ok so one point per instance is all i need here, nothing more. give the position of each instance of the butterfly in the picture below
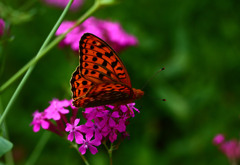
(101, 78)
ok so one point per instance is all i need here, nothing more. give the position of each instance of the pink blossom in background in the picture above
(2, 27)
(63, 3)
(230, 148)
(218, 139)
(111, 32)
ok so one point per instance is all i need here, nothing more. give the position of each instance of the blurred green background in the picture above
(196, 41)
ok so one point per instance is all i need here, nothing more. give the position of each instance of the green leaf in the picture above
(1, 163)
(5, 146)
(14, 16)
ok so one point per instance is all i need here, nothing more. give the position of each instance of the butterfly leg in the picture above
(131, 111)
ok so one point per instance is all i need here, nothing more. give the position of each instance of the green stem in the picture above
(109, 151)
(8, 156)
(83, 157)
(18, 74)
(39, 54)
(49, 47)
(37, 58)
(38, 149)
(110, 154)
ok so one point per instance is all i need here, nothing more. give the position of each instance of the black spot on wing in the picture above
(99, 54)
(114, 64)
(86, 71)
(108, 73)
(104, 63)
(108, 54)
(95, 66)
(119, 68)
(84, 83)
(94, 58)
(101, 76)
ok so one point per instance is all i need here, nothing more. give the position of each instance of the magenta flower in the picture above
(121, 127)
(39, 120)
(89, 144)
(2, 27)
(93, 112)
(218, 139)
(103, 123)
(74, 131)
(111, 132)
(111, 118)
(93, 128)
(230, 148)
(111, 32)
(57, 108)
(130, 107)
(63, 3)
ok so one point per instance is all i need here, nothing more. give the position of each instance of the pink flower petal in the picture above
(98, 135)
(95, 142)
(45, 124)
(115, 114)
(93, 149)
(76, 122)
(64, 111)
(112, 123)
(68, 127)
(121, 126)
(89, 137)
(89, 123)
(111, 32)
(82, 149)
(36, 127)
(56, 116)
(63, 3)
(82, 128)
(71, 136)
(113, 136)
(218, 139)
(79, 138)
(2, 27)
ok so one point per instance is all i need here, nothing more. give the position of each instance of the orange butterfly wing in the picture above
(101, 77)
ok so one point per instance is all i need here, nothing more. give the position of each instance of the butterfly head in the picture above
(138, 93)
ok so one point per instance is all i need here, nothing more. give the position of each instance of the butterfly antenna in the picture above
(152, 77)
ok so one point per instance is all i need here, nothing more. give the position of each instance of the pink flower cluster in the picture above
(102, 123)
(111, 32)
(63, 3)
(230, 148)
(2, 27)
